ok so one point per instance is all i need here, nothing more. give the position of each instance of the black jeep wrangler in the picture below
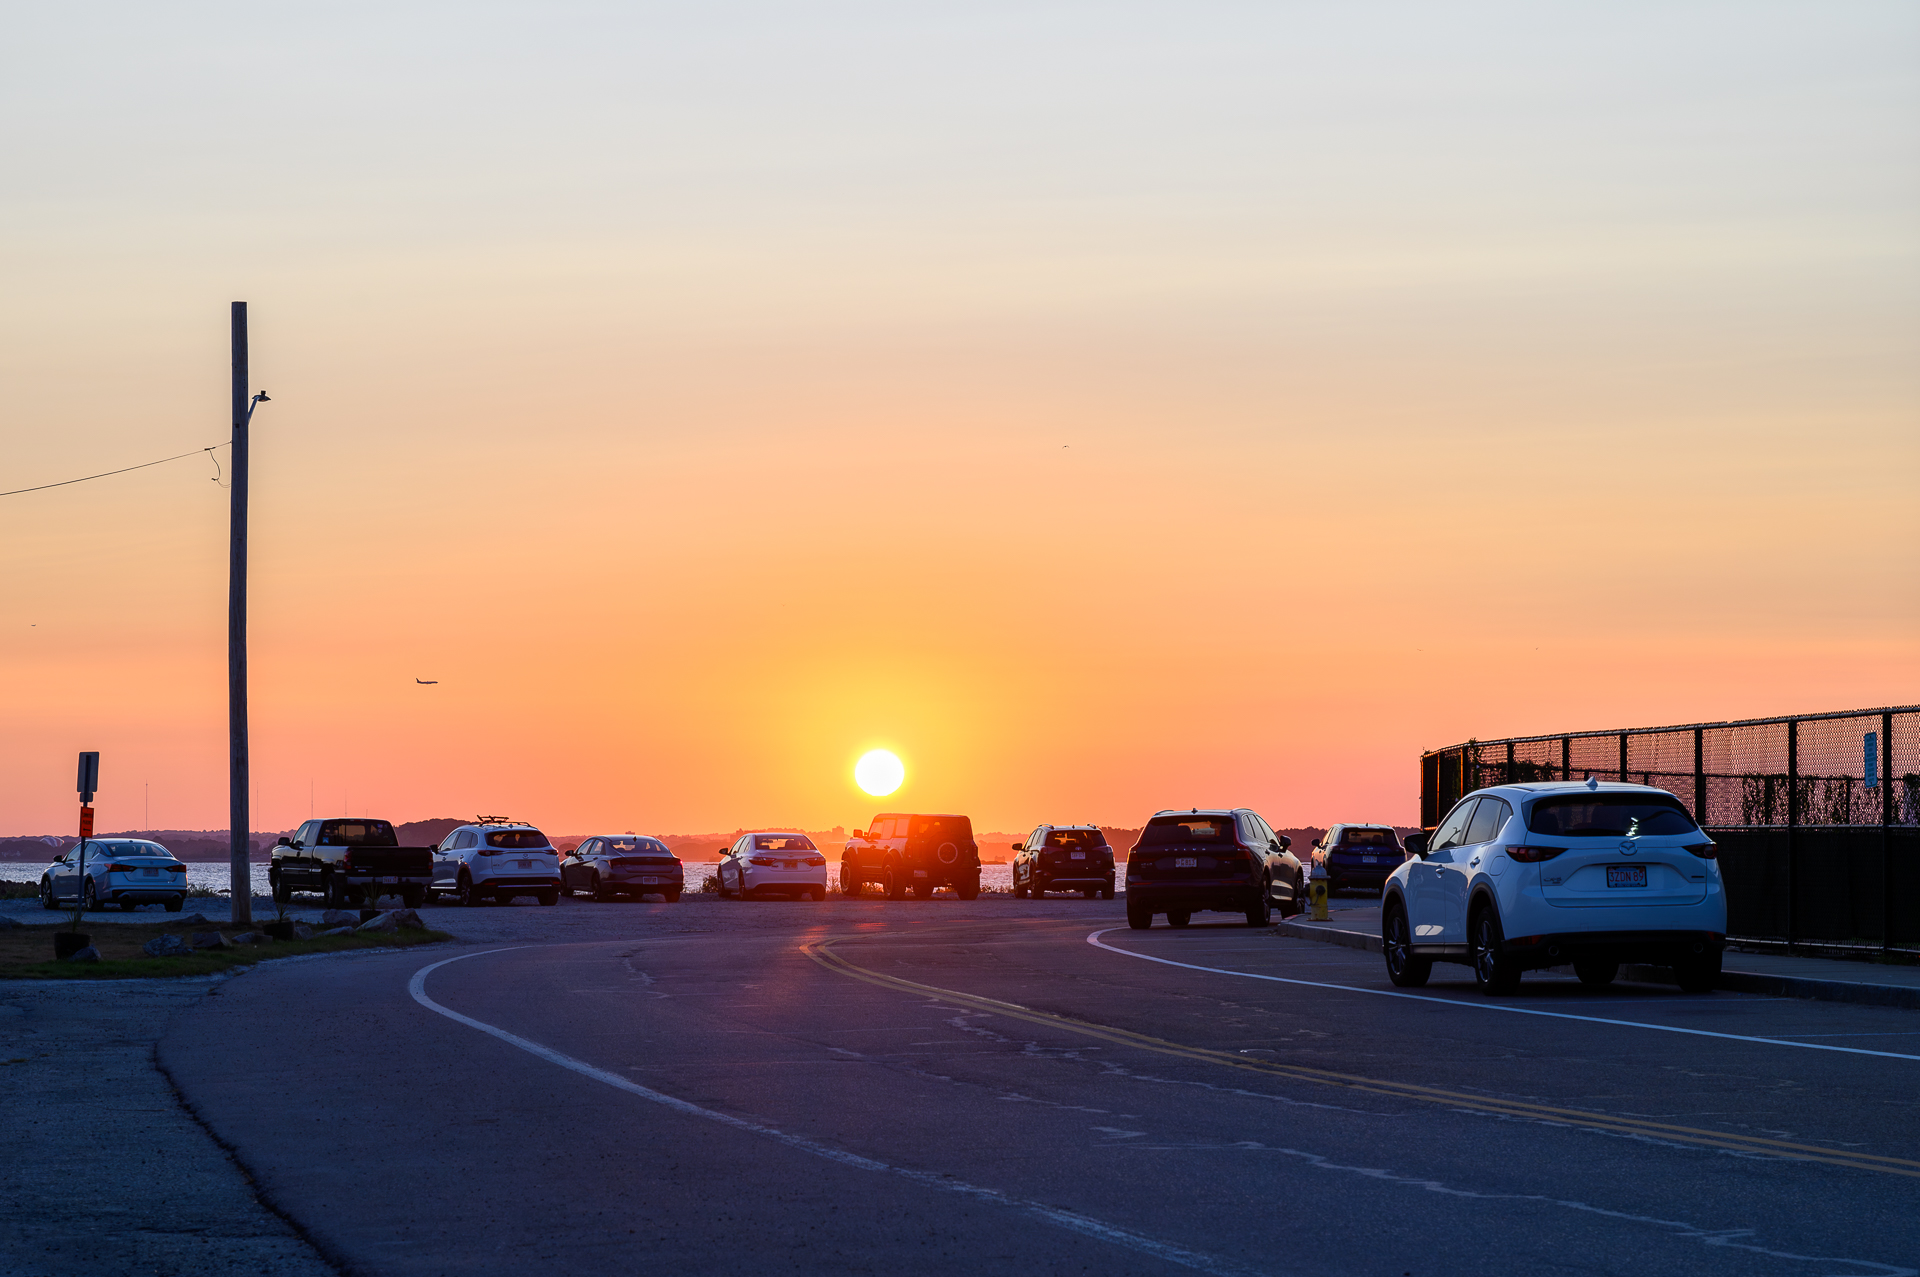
(905, 853)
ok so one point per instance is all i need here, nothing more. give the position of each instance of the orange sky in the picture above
(1104, 412)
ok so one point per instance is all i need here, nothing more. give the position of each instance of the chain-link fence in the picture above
(1817, 816)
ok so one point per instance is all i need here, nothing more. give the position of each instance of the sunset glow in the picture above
(879, 772)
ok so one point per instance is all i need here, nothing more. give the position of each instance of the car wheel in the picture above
(1396, 942)
(1038, 887)
(173, 905)
(1260, 912)
(333, 893)
(282, 894)
(970, 889)
(1295, 905)
(1139, 917)
(551, 896)
(817, 895)
(1019, 890)
(89, 896)
(1699, 974)
(1598, 974)
(566, 888)
(923, 891)
(896, 887)
(46, 895)
(414, 897)
(1106, 892)
(1179, 917)
(673, 897)
(127, 906)
(1494, 971)
(468, 894)
(850, 884)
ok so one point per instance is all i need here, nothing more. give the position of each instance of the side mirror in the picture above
(284, 842)
(1018, 846)
(1286, 843)
(859, 833)
(1417, 844)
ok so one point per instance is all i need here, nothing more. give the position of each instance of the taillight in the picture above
(761, 860)
(1704, 850)
(1531, 855)
(816, 861)
(346, 861)
(123, 869)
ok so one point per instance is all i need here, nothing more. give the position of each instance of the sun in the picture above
(879, 772)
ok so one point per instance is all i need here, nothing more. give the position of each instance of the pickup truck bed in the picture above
(341, 860)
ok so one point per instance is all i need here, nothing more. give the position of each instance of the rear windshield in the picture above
(783, 842)
(1368, 838)
(946, 828)
(1609, 816)
(516, 838)
(1078, 839)
(642, 846)
(95, 847)
(357, 833)
(1165, 830)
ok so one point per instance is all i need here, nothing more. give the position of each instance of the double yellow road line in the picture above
(823, 953)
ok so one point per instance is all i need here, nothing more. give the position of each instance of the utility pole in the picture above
(239, 767)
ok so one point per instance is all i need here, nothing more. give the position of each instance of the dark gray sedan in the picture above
(630, 865)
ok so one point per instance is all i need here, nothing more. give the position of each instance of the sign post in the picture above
(89, 781)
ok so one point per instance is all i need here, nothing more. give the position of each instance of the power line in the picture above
(105, 473)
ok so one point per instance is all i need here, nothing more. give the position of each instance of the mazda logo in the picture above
(1626, 848)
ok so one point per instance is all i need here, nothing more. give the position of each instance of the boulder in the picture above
(164, 947)
(88, 954)
(210, 940)
(381, 922)
(339, 918)
(338, 931)
(191, 920)
(253, 937)
(409, 919)
(301, 931)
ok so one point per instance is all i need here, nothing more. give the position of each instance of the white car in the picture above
(128, 872)
(1519, 877)
(773, 861)
(482, 862)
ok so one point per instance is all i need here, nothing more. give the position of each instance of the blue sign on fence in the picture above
(1873, 760)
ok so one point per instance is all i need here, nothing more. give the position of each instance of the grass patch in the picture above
(26, 953)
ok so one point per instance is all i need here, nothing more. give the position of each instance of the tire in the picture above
(849, 886)
(970, 889)
(1019, 890)
(673, 897)
(1296, 906)
(1596, 973)
(1396, 941)
(467, 894)
(1089, 893)
(597, 891)
(89, 896)
(1700, 975)
(720, 880)
(896, 888)
(282, 894)
(1493, 971)
(551, 896)
(1179, 917)
(923, 891)
(566, 888)
(173, 905)
(1106, 892)
(333, 893)
(414, 897)
(1037, 888)
(817, 895)
(47, 900)
(127, 906)
(1260, 912)
(1139, 917)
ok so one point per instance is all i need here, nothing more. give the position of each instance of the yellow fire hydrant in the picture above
(1317, 893)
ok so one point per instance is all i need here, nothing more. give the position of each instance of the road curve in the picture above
(829, 1088)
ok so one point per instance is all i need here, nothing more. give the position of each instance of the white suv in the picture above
(483, 862)
(1519, 877)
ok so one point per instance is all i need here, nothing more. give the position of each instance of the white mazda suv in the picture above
(1519, 877)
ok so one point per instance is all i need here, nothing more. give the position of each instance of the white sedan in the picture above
(128, 872)
(773, 862)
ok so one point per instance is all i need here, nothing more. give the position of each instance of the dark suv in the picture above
(906, 853)
(1228, 861)
(1063, 858)
(1359, 856)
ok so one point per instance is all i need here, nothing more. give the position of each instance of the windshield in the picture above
(1078, 839)
(95, 847)
(1368, 838)
(1610, 816)
(645, 846)
(946, 828)
(783, 842)
(1166, 830)
(521, 839)
(357, 833)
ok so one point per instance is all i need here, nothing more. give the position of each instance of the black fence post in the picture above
(1623, 758)
(1566, 758)
(1700, 775)
(1508, 778)
(1793, 821)
(1887, 910)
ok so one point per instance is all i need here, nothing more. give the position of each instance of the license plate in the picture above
(1186, 862)
(1626, 875)
(919, 873)
(393, 879)
(648, 882)
(1076, 855)
(150, 873)
(1369, 860)
(526, 864)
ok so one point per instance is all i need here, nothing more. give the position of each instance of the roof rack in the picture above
(493, 820)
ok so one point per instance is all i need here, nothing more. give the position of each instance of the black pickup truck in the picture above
(341, 859)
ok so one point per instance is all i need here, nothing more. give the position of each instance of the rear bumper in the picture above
(517, 882)
(1370, 875)
(1074, 881)
(1158, 896)
(146, 895)
(1656, 948)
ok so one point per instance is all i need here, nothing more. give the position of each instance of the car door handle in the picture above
(1473, 862)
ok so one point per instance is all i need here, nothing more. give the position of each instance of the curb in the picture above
(1776, 986)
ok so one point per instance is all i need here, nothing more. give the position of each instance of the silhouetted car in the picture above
(630, 865)
(912, 853)
(1359, 855)
(1063, 858)
(128, 872)
(1227, 861)
(781, 862)
(350, 861)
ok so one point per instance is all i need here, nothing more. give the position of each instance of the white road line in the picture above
(1082, 1224)
(1097, 943)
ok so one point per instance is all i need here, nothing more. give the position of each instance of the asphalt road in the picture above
(864, 1086)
